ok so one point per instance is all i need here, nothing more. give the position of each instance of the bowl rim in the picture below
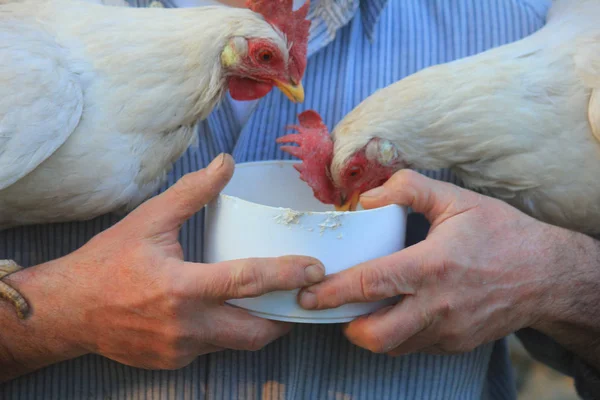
(290, 162)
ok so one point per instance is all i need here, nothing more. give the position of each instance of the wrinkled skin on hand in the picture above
(129, 295)
(484, 271)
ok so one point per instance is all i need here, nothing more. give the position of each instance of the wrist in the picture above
(48, 334)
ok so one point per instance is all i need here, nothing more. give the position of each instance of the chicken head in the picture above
(366, 169)
(256, 64)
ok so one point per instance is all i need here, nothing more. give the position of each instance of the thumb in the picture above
(435, 199)
(170, 209)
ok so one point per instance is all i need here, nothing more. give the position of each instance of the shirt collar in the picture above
(328, 16)
(370, 11)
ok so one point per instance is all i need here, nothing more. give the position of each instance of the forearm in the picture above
(43, 338)
(571, 312)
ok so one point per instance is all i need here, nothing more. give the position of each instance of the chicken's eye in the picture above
(355, 171)
(265, 55)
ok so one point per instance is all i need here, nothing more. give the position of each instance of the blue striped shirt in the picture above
(356, 47)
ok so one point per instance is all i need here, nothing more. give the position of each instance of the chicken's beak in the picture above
(349, 204)
(294, 92)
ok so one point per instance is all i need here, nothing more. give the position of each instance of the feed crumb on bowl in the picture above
(340, 236)
(331, 222)
(288, 217)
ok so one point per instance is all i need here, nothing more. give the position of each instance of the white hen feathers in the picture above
(519, 122)
(97, 102)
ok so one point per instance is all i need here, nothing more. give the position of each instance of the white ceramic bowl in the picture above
(267, 211)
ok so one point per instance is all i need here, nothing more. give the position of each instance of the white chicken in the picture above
(97, 101)
(520, 122)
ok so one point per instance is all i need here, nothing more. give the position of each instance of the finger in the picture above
(207, 349)
(236, 329)
(150, 359)
(251, 277)
(382, 278)
(424, 341)
(388, 328)
(424, 195)
(434, 350)
(186, 197)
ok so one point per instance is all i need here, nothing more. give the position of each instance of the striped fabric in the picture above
(355, 48)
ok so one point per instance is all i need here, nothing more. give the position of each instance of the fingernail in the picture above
(376, 192)
(308, 300)
(314, 273)
(216, 163)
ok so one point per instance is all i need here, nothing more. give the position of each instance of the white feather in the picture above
(97, 102)
(40, 99)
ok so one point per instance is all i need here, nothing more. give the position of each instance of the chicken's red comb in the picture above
(293, 24)
(315, 149)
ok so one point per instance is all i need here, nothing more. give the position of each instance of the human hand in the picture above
(128, 295)
(484, 271)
